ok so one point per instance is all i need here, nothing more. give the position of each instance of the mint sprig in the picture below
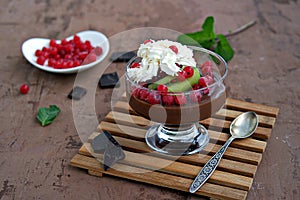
(47, 115)
(207, 38)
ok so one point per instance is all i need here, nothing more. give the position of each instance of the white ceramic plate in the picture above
(96, 38)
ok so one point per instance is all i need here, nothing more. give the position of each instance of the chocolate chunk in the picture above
(99, 143)
(122, 56)
(109, 80)
(112, 154)
(113, 151)
(77, 93)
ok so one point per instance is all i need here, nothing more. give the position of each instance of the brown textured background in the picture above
(34, 161)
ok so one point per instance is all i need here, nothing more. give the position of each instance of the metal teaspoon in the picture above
(242, 127)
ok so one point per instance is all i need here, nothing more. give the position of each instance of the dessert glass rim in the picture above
(201, 49)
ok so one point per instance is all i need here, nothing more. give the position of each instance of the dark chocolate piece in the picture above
(77, 93)
(109, 80)
(122, 56)
(99, 143)
(113, 151)
(112, 155)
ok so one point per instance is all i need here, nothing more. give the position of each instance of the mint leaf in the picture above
(190, 39)
(47, 115)
(208, 29)
(223, 48)
(207, 38)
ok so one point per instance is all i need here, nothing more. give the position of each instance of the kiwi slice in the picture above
(164, 80)
(186, 84)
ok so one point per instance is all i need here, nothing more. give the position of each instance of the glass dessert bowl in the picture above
(176, 88)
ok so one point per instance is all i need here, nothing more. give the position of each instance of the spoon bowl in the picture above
(96, 38)
(242, 127)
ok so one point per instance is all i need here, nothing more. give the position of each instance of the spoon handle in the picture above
(209, 167)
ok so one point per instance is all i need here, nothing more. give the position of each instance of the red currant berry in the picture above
(207, 68)
(174, 49)
(98, 51)
(68, 56)
(41, 60)
(52, 43)
(51, 62)
(38, 52)
(64, 65)
(144, 94)
(77, 63)
(83, 55)
(64, 42)
(189, 71)
(24, 89)
(44, 49)
(70, 64)
(136, 92)
(53, 51)
(181, 76)
(180, 99)
(162, 88)
(76, 38)
(147, 41)
(196, 87)
(195, 96)
(168, 100)
(135, 65)
(153, 99)
(202, 82)
(209, 79)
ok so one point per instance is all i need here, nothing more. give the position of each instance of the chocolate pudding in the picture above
(175, 115)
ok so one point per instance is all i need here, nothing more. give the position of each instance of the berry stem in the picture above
(241, 29)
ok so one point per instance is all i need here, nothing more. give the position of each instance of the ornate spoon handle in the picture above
(209, 167)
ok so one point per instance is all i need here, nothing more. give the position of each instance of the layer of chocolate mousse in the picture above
(176, 115)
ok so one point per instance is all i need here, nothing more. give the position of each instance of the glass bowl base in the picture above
(177, 140)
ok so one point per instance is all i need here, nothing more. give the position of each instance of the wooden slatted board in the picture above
(231, 180)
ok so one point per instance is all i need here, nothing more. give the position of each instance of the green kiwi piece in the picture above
(165, 80)
(186, 84)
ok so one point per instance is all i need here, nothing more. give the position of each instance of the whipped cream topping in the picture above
(158, 55)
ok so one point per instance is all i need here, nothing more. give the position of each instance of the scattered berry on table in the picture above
(24, 89)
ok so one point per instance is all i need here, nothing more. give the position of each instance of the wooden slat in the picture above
(260, 133)
(264, 121)
(158, 178)
(124, 118)
(248, 106)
